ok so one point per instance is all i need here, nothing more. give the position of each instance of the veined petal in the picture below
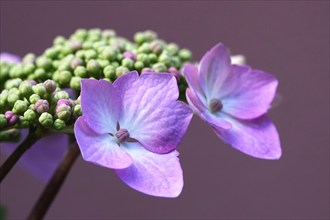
(192, 76)
(101, 105)
(258, 138)
(100, 149)
(43, 157)
(214, 69)
(151, 113)
(151, 173)
(248, 93)
(9, 58)
(204, 113)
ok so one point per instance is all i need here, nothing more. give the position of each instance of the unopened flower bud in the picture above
(11, 118)
(61, 95)
(146, 70)
(29, 58)
(46, 119)
(34, 98)
(41, 106)
(121, 70)
(75, 45)
(40, 73)
(3, 121)
(109, 72)
(10, 135)
(172, 48)
(75, 83)
(77, 110)
(80, 71)
(59, 124)
(12, 98)
(152, 58)
(23, 123)
(109, 53)
(44, 62)
(30, 115)
(63, 102)
(185, 54)
(64, 77)
(75, 62)
(20, 107)
(159, 67)
(63, 112)
(93, 68)
(143, 58)
(130, 55)
(39, 89)
(78, 101)
(50, 86)
(138, 65)
(127, 62)
(25, 89)
(156, 47)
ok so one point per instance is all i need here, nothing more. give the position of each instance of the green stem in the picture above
(48, 195)
(32, 137)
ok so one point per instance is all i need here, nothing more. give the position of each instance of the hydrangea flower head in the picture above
(234, 99)
(134, 126)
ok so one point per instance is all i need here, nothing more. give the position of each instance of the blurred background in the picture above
(289, 39)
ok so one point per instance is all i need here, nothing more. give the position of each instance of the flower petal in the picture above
(151, 114)
(43, 157)
(204, 113)
(214, 69)
(153, 174)
(100, 149)
(248, 93)
(192, 77)
(258, 138)
(9, 58)
(101, 105)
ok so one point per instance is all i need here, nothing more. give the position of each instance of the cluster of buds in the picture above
(26, 103)
(99, 54)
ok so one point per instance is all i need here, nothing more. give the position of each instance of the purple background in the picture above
(287, 38)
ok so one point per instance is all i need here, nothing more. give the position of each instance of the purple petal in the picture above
(203, 111)
(43, 157)
(248, 93)
(214, 69)
(257, 138)
(151, 114)
(192, 77)
(101, 105)
(100, 149)
(9, 58)
(153, 174)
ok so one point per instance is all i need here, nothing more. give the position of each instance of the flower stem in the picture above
(55, 183)
(32, 137)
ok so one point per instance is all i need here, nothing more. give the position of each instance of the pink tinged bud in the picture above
(11, 118)
(122, 135)
(64, 102)
(32, 82)
(175, 73)
(41, 106)
(146, 70)
(130, 55)
(215, 105)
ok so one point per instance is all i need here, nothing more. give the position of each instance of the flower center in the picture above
(215, 105)
(122, 135)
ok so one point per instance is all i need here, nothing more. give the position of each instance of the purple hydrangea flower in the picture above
(233, 99)
(134, 126)
(43, 157)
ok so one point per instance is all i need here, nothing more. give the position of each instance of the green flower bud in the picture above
(159, 67)
(143, 58)
(29, 58)
(9, 135)
(152, 58)
(80, 54)
(109, 72)
(39, 89)
(44, 62)
(78, 101)
(109, 53)
(80, 71)
(75, 83)
(13, 83)
(52, 53)
(119, 57)
(90, 54)
(138, 65)
(139, 38)
(75, 45)
(80, 34)
(30, 115)
(64, 65)
(121, 70)
(144, 48)
(65, 50)
(20, 107)
(115, 64)
(127, 63)
(50, 86)
(172, 48)
(34, 98)
(61, 95)
(25, 89)
(17, 71)
(108, 33)
(3, 121)
(40, 73)
(77, 110)
(59, 124)
(64, 77)
(185, 54)
(23, 123)
(28, 68)
(59, 40)
(103, 63)
(46, 119)
(156, 47)
(12, 98)
(93, 68)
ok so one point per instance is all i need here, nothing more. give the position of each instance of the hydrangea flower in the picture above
(134, 126)
(234, 99)
(43, 157)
